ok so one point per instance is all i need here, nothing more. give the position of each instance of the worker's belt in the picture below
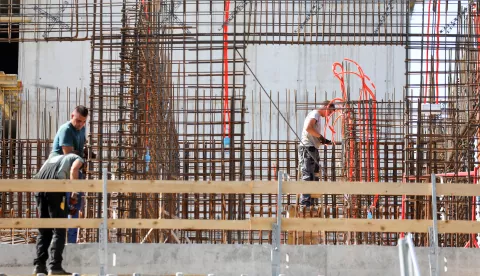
(311, 148)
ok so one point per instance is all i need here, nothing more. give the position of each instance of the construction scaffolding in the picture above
(179, 91)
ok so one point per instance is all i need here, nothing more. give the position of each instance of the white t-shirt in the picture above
(307, 139)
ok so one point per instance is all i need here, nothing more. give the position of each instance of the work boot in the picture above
(40, 269)
(58, 271)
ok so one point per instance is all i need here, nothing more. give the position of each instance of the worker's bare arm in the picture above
(75, 170)
(74, 174)
(311, 128)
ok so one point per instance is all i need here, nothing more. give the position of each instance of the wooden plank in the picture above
(237, 187)
(49, 223)
(139, 186)
(288, 224)
(14, 19)
(185, 224)
(34, 185)
(381, 188)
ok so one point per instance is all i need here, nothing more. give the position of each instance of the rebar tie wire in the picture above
(275, 105)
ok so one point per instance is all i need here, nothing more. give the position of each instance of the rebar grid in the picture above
(168, 81)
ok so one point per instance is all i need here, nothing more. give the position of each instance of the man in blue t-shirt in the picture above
(70, 137)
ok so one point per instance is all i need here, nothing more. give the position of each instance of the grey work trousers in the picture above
(49, 206)
(309, 158)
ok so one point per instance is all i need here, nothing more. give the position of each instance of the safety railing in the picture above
(245, 187)
(275, 224)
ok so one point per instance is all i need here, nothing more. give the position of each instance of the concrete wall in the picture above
(46, 66)
(53, 71)
(252, 260)
(308, 71)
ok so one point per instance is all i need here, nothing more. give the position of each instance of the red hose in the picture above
(438, 52)
(145, 10)
(226, 111)
(365, 93)
(427, 48)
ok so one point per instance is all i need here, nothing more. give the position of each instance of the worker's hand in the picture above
(72, 211)
(73, 198)
(73, 201)
(324, 141)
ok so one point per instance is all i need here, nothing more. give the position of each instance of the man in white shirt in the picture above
(310, 142)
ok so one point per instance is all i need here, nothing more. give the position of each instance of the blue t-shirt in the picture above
(68, 136)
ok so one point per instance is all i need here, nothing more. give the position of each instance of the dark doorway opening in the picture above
(9, 34)
(9, 50)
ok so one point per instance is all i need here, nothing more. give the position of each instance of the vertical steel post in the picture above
(103, 253)
(276, 227)
(403, 256)
(433, 231)
(412, 256)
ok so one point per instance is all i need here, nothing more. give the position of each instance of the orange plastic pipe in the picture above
(226, 112)
(145, 10)
(427, 48)
(437, 53)
(365, 93)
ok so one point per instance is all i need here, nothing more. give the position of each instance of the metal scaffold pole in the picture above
(433, 232)
(276, 240)
(103, 241)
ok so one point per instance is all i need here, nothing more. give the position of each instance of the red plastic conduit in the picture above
(226, 110)
(437, 52)
(426, 51)
(366, 93)
(145, 10)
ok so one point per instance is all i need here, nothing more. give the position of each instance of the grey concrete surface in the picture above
(158, 259)
(48, 66)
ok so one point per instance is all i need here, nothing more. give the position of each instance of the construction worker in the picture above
(310, 142)
(54, 205)
(70, 138)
